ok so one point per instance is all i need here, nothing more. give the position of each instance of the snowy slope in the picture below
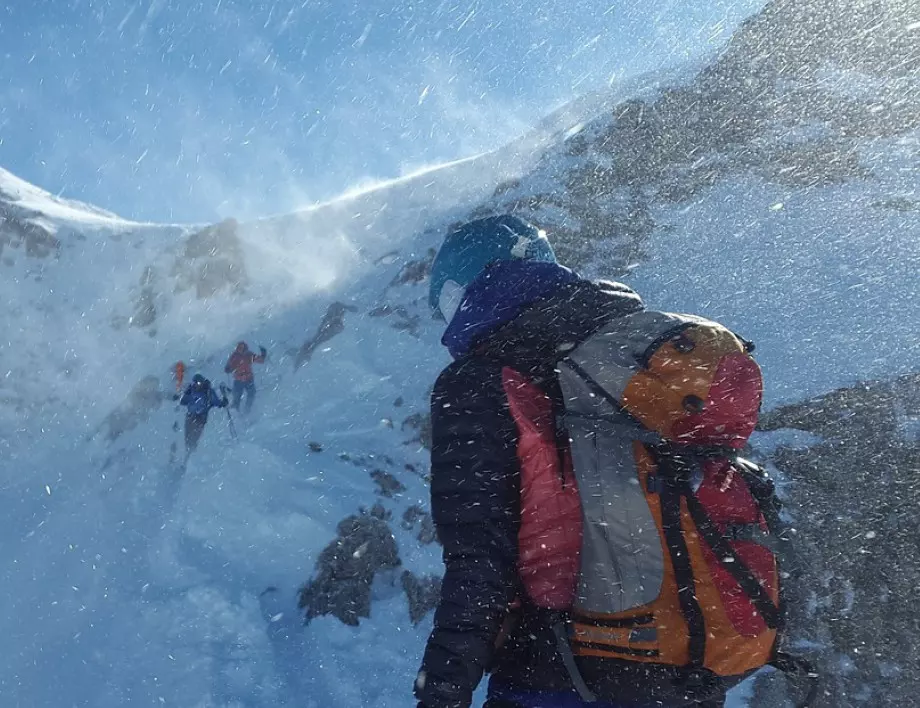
(148, 602)
(123, 585)
(113, 594)
(27, 198)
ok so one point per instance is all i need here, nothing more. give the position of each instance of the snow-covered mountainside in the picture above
(773, 189)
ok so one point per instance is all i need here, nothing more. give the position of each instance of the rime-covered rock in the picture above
(423, 594)
(346, 568)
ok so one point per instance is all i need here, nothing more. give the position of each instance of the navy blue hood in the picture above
(500, 294)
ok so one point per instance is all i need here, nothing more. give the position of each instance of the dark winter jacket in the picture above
(475, 487)
(199, 400)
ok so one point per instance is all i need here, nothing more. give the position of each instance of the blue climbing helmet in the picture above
(469, 249)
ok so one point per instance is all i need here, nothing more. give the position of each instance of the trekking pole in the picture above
(232, 427)
(223, 390)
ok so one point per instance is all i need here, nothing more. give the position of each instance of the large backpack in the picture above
(677, 571)
(199, 402)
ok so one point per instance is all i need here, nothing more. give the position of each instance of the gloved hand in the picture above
(263, 351)
(224, 389)
(175, 396)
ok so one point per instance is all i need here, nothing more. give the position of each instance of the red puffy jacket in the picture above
(241, 361)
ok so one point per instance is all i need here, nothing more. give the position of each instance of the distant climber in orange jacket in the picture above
(240, 365)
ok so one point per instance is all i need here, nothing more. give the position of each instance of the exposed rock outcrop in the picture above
(332, 324)
(421, 424)
(415, 271)
(422, 593)
(142, 401)
(400, 318)
(18, 232)
(788, 101)
(346, 568)
(387, 484)
(417, 518)
(856, 569)
(212, 262)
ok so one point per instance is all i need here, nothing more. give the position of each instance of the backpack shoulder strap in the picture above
(553, 389)
(669, 495)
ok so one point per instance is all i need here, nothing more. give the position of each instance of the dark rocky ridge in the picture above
(346, 568)
(17, 231)
(856, 566)
(775, 105)
(332, 324)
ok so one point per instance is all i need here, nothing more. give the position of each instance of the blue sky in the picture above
(188, 111)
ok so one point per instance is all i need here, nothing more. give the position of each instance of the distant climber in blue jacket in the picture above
(198, 398)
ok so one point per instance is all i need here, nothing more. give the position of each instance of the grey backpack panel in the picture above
(613, 355)
(622, 557)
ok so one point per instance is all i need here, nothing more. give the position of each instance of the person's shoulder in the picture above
(613, 288)
(469, 367)
(605, 297)
(468, 375)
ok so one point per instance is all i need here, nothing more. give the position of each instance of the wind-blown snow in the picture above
(124, 585)
(824, 281)
(116, 595)
(112, 596)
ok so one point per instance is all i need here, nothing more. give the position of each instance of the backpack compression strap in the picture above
(677, 469)
(669, 497)
(762, 489)
(735, 567)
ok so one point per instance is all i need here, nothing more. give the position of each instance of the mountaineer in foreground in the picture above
(604, 544)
